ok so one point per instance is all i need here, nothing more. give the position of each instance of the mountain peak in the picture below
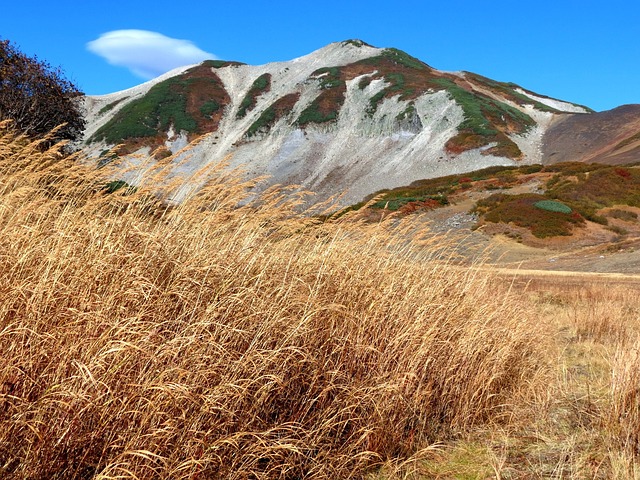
(356, 42)
(348, 117)
(341, 53)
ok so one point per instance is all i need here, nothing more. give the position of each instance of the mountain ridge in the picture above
(348, 118)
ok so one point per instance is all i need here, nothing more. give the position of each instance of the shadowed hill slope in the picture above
(611, 137)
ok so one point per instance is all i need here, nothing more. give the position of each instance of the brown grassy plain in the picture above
(584, 422)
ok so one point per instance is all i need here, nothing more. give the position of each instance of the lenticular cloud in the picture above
(147, 54)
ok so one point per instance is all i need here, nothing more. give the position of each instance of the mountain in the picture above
(347, 119)
(611, 137)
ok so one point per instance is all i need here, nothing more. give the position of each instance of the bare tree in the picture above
(37, 97)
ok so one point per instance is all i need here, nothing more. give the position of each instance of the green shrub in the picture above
(480, 111)
(325, 107)
(275, 111)
(509, 91)
(484, 122)
(265, 120)
(106, 157)
(330, 77)
(355, 42)
(527, 169)
(364, 82)
(220, 63)
(185, 102)
(209, 107)
(374, 101)
(402, 58)
(552, 206)
(408, 112)
(163, 105)
(397, 85)
(312, 114)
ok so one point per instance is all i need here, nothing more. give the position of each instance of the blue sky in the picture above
(587, 52)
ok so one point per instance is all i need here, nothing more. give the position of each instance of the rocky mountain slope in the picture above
(348, 118)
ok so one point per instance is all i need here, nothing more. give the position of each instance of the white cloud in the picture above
(147, 54)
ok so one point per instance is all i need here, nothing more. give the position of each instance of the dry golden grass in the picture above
(231, 337)
(585, 423)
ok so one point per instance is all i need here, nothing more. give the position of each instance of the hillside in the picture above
(611, 137)
(571, 216)
(347, 119)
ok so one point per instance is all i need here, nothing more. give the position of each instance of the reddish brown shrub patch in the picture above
(623, 172)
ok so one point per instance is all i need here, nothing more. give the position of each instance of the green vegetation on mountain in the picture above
(325, 107)
(209, 107)
(364, 82)
(552, 206)
(484, 115)
(332, 82)
(509, 90)
(117, 185)
(264, 121)
(486, 121)
(163, 105)
(220, 63)
(407, 113)
(110, 106)
(329, 77)
(356, 43)
(401, 58)
(314, 114)
(396, 86)
(280, 108)
(261, 85)
(488, 124)
(187, 102)
(405, 76)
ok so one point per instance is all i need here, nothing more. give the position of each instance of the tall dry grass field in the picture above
(231, 337)
(585, 423)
